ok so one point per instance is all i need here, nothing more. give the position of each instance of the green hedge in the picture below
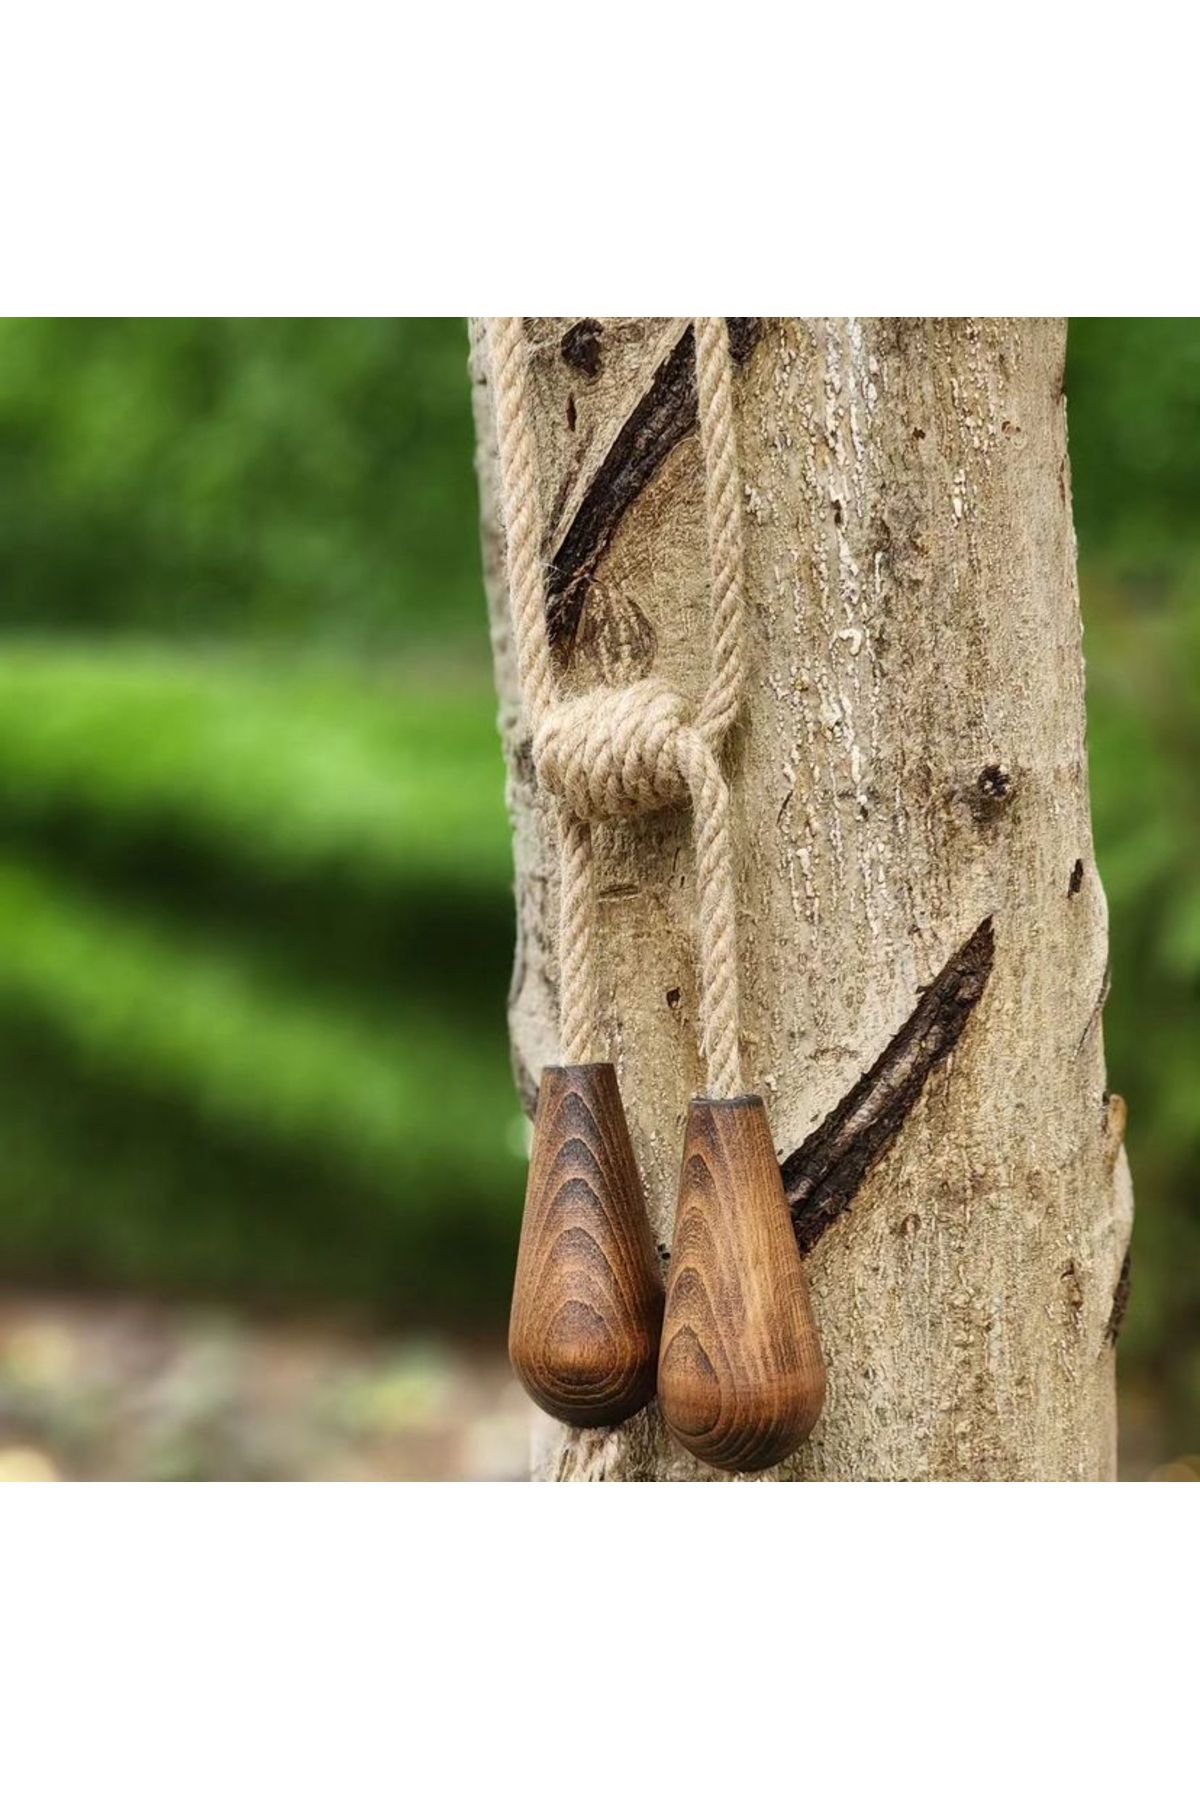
(236, 479)
(259, 918)
(279, 767)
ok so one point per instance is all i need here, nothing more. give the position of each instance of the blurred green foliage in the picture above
(1134, 413)
(255, 909)
(255, 921)
(217, 478)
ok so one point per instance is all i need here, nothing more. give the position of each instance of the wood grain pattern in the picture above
(741, 1379)
(588, 1297)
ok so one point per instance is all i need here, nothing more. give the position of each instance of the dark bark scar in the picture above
(822, 1177)
(662, 418)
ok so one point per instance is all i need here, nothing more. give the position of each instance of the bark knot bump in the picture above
(580, 347)
(822, 1177)
(992, 791)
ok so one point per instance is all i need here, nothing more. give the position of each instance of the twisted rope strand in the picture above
(717, 919)
(535, 671)
(576, 939)
(723, 516)
(522, 515)
(628, 750)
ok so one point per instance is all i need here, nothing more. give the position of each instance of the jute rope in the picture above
(620, 751)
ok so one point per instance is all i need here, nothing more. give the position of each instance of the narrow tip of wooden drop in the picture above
(569, 1069)
(713, 1102)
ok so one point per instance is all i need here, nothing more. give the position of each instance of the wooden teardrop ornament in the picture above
(741, 1380)
(588, 1298)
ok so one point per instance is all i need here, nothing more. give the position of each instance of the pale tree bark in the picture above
(922, 929)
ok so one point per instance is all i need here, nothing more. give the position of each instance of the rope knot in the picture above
(616, 752)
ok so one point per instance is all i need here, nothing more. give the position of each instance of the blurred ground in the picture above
(137, 1390)
(96, 1389)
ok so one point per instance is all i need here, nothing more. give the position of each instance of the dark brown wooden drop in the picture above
(741, 1380)
(588, 1298)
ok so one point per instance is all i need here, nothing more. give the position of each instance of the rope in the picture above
(622, 751)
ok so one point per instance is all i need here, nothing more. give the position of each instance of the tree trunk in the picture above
(922, 929)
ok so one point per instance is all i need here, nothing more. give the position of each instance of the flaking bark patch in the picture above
(1116, 1317)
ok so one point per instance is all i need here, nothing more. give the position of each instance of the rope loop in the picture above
(617, 752)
